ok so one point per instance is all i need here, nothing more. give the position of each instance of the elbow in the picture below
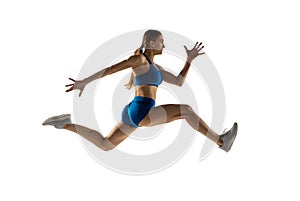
(107, 71)
(180, 82)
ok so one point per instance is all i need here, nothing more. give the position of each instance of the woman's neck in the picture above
(149, 54)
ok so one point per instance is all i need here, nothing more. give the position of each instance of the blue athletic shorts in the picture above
(136, 110)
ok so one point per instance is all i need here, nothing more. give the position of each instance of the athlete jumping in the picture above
(141, 111)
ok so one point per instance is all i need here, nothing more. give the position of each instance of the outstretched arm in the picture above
(80, 84)
(191, 55)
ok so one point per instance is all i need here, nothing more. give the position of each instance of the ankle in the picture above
(67, 125)
(220, 142)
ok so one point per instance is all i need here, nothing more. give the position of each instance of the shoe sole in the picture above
(56, 118)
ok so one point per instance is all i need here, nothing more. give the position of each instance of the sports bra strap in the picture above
(149, 61)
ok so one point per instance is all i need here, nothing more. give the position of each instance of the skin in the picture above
(157, 115)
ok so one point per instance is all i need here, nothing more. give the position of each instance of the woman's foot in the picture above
(58, 121)
(229, 137)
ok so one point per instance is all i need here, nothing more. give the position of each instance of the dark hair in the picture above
(149, 35)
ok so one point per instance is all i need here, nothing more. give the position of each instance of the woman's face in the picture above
(158, 45)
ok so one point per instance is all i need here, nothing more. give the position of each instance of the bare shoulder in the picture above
(159, 67)
(137, 60)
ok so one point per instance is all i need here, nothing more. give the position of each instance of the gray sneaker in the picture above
(229, 137)
(58, 121)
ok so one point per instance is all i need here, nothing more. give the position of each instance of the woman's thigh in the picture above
(165, 114)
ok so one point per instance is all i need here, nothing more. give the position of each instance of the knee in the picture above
(107, 148)
(106, 145)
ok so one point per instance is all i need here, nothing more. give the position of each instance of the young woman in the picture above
(146, 77)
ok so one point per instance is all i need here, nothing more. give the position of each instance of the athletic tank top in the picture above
(152, 77)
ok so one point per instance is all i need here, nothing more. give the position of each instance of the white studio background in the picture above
(254, 46)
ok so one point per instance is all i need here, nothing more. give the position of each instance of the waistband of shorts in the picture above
(142, 98)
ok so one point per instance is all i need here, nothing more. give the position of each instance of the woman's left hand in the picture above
(194, 52)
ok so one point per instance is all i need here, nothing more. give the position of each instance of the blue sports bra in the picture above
(152, 77)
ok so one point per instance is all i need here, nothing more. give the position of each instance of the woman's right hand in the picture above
(78, 84)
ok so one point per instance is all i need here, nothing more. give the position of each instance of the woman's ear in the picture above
(151, 44)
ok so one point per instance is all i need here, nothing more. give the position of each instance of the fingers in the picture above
(195, 45)
(70, 85)
(70, 89)
(200, 49)
(199, 46)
